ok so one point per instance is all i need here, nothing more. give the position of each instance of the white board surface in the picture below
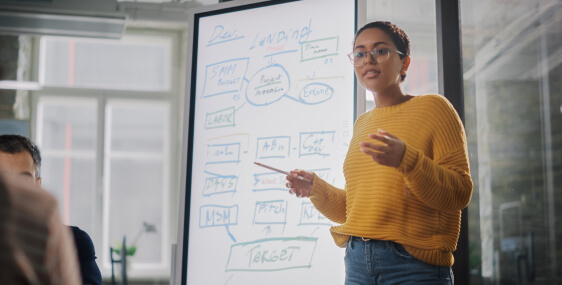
(272, 84)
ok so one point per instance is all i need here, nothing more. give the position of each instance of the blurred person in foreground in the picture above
(21, 157)
(35, 247)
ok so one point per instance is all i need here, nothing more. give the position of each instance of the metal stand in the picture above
(123, 262)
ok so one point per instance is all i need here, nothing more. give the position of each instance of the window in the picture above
(106, 127)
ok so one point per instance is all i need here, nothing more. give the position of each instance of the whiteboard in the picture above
(270, 83)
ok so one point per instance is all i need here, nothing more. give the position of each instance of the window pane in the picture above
(136, 198)
(512, 69)
(67, 134)
(137, 127)
(68, 125)
(76, 201)
(136, 163)
(419, 22)
(129, 64)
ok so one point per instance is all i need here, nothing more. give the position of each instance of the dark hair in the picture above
(398, 36)
(13, 144)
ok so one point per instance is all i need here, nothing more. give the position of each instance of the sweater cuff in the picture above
(319, 186)
(409, 160)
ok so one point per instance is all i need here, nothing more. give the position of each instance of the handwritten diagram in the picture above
(224, 77)
(220, 119)
(219, 184)
(271, 181)
(271, 82)
(311, 216)
(272, 254)
(277, 92)
(319, 48)
(273, 147)
(223, 153)
(216, 216)
(316, 143)
(271, 212)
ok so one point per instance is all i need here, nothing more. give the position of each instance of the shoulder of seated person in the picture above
(84, 244)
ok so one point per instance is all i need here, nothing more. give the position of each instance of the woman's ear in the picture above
(405, 65)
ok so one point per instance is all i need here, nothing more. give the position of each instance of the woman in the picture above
(406, 170)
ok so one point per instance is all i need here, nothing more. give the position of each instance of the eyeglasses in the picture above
(378, 55)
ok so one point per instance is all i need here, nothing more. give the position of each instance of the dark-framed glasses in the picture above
(378, 55)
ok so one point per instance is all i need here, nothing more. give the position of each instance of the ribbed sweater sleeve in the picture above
(329, 200)
(443, 183)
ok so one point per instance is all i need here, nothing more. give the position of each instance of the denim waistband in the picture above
(365, 239)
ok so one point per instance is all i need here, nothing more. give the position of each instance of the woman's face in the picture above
(374, 76)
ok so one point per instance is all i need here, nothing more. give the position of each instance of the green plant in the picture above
(130, 250)
(148, 228)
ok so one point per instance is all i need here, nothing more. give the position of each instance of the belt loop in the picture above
(365, 239)
(350, 243)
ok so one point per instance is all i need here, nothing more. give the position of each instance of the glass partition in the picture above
(512, 54)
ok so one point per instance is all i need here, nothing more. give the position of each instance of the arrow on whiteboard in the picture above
(271, 62)
(229, 234)
(313, 74)
(241, 106)
(314, 230)
(228, 280)
(267, 230)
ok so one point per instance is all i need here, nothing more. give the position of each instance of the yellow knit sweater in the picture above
(417, 204)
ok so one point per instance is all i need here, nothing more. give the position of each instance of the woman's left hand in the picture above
(389, 153)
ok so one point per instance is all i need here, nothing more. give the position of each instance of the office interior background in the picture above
(106, 111)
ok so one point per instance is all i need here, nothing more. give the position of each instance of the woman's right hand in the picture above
(297, 186)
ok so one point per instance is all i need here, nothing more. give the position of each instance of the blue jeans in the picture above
(385, 262)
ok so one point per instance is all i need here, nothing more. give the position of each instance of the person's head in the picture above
(381, 50)
(19, 155)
